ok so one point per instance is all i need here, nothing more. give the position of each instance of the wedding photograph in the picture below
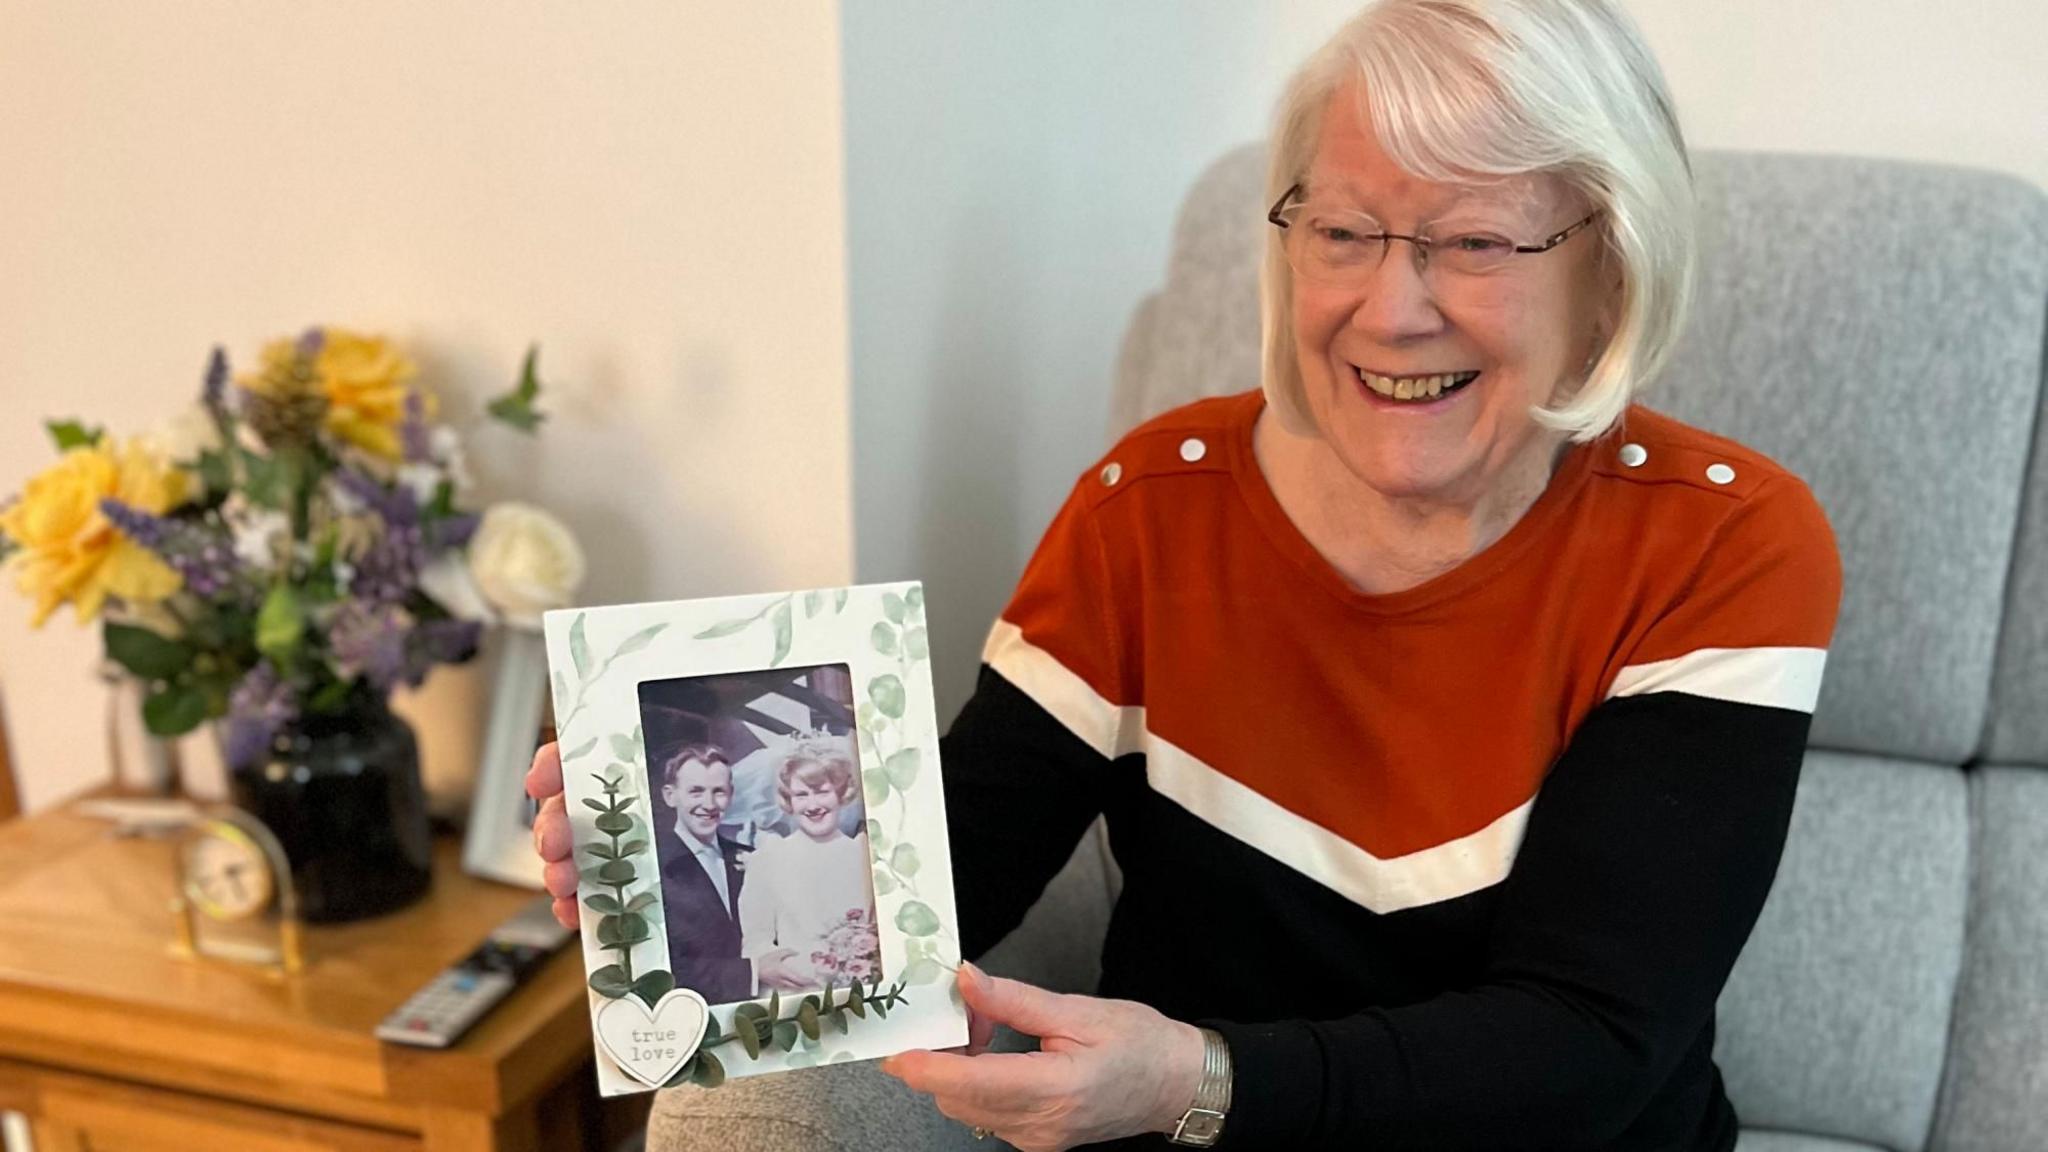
(760, 831)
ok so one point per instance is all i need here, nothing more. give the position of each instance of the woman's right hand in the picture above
(551, 831)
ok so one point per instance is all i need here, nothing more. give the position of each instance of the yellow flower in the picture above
(70, 553)
(364, 379)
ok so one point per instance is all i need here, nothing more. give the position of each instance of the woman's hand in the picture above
(1105, 1069)
(551, 831)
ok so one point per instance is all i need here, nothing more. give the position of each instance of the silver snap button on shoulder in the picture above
(1633, 455)
(1720, 473)
(1192, 449)
(1112, 472)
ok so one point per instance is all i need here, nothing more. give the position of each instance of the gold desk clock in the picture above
(234, 898)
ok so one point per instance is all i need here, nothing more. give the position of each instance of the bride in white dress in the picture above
(810, 890)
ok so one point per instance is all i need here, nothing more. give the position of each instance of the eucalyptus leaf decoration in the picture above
(765, 1028)
(586, 678)
(781, 616)
(895, 762)
(624, 921)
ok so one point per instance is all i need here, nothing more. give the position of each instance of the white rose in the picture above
(183, 437)
(526, 562)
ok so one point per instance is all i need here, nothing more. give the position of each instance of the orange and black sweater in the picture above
(1464, 866)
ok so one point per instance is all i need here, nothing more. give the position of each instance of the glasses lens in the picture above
(1332, 246)
(1471, 253)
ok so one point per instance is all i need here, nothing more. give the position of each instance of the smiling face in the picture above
(700, 793)
(815, 804)
(813, 791)
(1526, 329)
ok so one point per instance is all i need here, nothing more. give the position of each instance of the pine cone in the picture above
(285, 406)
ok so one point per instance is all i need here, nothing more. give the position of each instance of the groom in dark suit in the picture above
(700, 884)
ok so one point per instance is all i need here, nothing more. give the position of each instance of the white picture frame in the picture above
(498, 842)
(631, 678)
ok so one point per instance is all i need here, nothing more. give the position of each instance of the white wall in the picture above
(1013, 170)
(651, 189)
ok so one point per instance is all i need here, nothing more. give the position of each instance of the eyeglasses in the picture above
(1342, 246)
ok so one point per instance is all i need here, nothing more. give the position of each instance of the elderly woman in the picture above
(1445, 707)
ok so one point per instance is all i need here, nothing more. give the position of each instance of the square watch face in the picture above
(1199, 1128)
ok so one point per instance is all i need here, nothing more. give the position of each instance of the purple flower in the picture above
(258, 709)
(208, 566)
(441, 642)
(452, 531)
(392, 504)
(214, 394)
(368, 639)
(310, 343)
(413, 431)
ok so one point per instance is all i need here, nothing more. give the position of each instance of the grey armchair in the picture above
(1879, 328)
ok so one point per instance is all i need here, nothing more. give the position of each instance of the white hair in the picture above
(1471, 91)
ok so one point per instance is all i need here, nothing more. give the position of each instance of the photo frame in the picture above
(498, 842)
(724, 762)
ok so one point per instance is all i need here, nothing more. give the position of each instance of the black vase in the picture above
(342, 793)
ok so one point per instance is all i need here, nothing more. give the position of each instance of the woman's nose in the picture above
(1397, 302)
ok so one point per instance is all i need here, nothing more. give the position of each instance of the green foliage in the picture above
(516, 407)
(622, 924)
(69, 434)
(610, 982)
(280, 625)
(145, 653)
(652, 986)
(174, 709)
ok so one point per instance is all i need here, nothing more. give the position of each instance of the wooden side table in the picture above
(109, 1041)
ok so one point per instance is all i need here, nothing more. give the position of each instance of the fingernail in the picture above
(969, 971)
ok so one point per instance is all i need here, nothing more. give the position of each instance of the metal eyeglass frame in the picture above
(1422, 244)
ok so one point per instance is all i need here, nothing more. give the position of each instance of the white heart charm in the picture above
(650, 1046)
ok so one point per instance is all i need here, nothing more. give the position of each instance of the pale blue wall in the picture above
(1012, 173)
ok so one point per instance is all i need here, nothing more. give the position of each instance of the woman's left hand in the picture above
(1105, 1069)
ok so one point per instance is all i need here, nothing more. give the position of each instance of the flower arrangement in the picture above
(293, 544)
(852, 950)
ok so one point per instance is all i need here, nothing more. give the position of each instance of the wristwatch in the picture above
(1202, 1124)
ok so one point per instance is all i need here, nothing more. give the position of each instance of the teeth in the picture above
(1414, 387)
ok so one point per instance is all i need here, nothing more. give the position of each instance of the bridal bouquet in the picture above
(852, 950)
(294, 544)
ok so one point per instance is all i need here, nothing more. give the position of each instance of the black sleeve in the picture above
(1645, 862)
(1020, 790)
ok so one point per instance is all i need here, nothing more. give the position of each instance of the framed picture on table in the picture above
(498, 844)
(759, 823)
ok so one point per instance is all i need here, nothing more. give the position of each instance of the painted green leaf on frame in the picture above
(903, 767)
(916, 918)
(639, 640)
(579, 647)
(781, 623)
(887, 693)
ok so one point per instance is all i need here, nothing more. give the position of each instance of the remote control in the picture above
(437, 1014)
